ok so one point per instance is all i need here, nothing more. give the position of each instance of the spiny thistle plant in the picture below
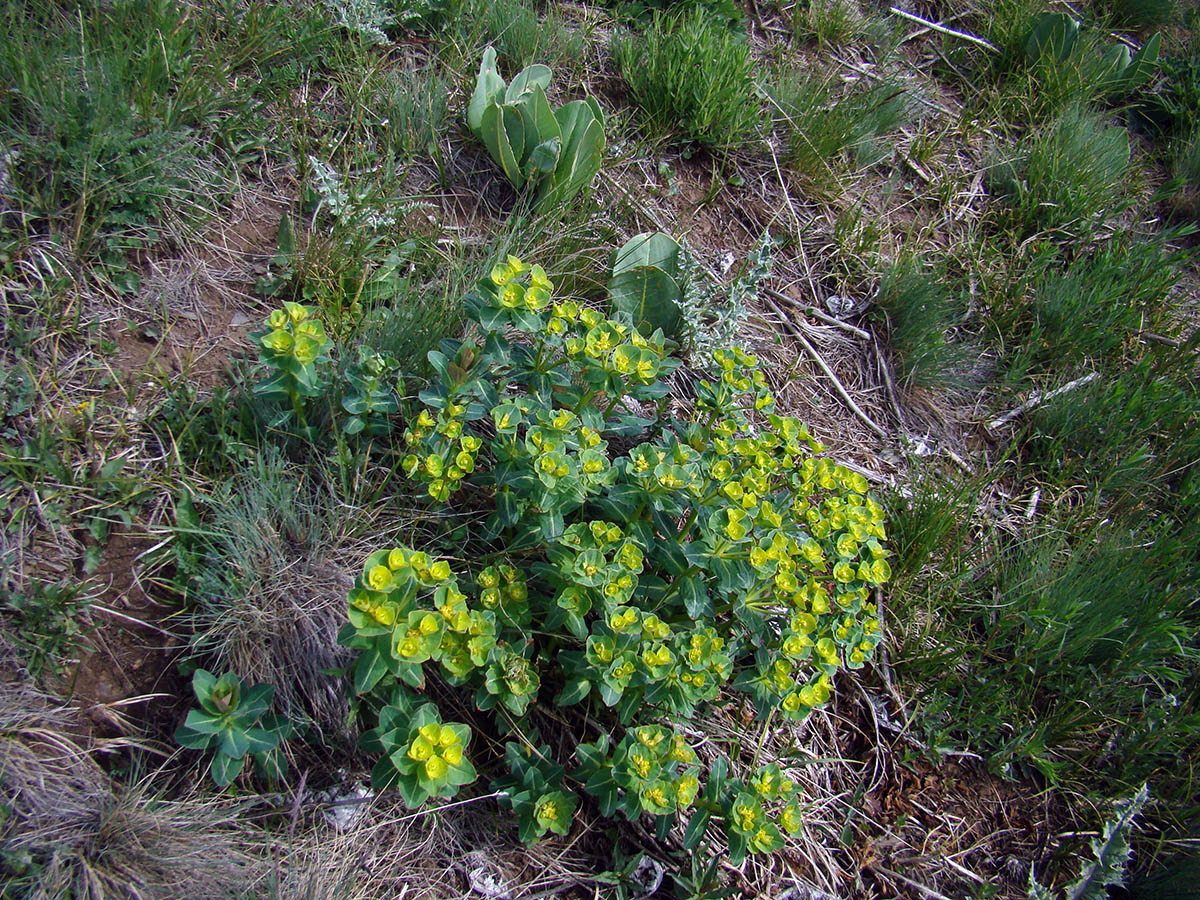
(626, 563)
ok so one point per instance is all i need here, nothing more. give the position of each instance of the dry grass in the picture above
(72, 831)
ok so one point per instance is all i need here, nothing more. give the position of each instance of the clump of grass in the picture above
(691, 79)
(1090, 309)
(928, 515)
(830, 24)
(1133, 438)
(921, 312)
(1068, 177)
(1185, 167)
(416, 110)
(117, 112)
(1017, 625)
(265, 589)
(829, 130)
(521, 37)
(728, 12)
(1139, 15)
(70, 831)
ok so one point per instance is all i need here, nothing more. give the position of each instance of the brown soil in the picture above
(126, 673)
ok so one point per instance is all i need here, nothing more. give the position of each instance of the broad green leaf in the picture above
(534, 76)
(575, 690)
(1052, 37)
(193, 739)
(496, 141)
(489, 88)
(285, 237)
(234, 742)
(539, 120)
(225, 768)
(260, 740)
(650, 296)
(370, 667)
(650, 248)
(696, 829)
(543, 158)
(516, 132)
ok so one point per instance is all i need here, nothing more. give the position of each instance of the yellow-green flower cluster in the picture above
(384, 604)
(747, 813)
(294, 333)
(659, 767)
(436, 748)
(586, 336)
(600, 563)
(504, 591)
(443, 452)
(512, 294)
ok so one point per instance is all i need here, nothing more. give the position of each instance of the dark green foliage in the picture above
(1068, 178)
(921, 312)
(691, 79)
(830, 129)
(1138, 15)
(236, 726)
(519, 35)
(1134, 438)
(50, 621)
(1091, 308)
(1060, 643)
(726, 12)
(115, 110)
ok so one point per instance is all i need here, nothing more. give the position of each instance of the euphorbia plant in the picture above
(625, 558)
(292, 344)
(236, 725)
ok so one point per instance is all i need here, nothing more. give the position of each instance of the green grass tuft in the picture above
(1069, 177)
(829, 131)
(921, 312)
(692, 79)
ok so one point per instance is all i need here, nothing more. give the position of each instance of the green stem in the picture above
(297, 406)
(762, 738)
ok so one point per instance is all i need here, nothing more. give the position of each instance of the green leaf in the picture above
(573, 692)
(582, 151)
(234, 742)
(192, 739)
(653, 249)
(695, 597)
(1143, 64)
(489, 88)
(256, 700)
(1052, 37)
(529, 78)
(225, 768)
(650, 296)
(495, 138)
(285, 236)
(203, 722)
(543, 158)
(517, 133)
(696, 829)
(371, 667)
(411, 792)
(203, 683)
(259, 740)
